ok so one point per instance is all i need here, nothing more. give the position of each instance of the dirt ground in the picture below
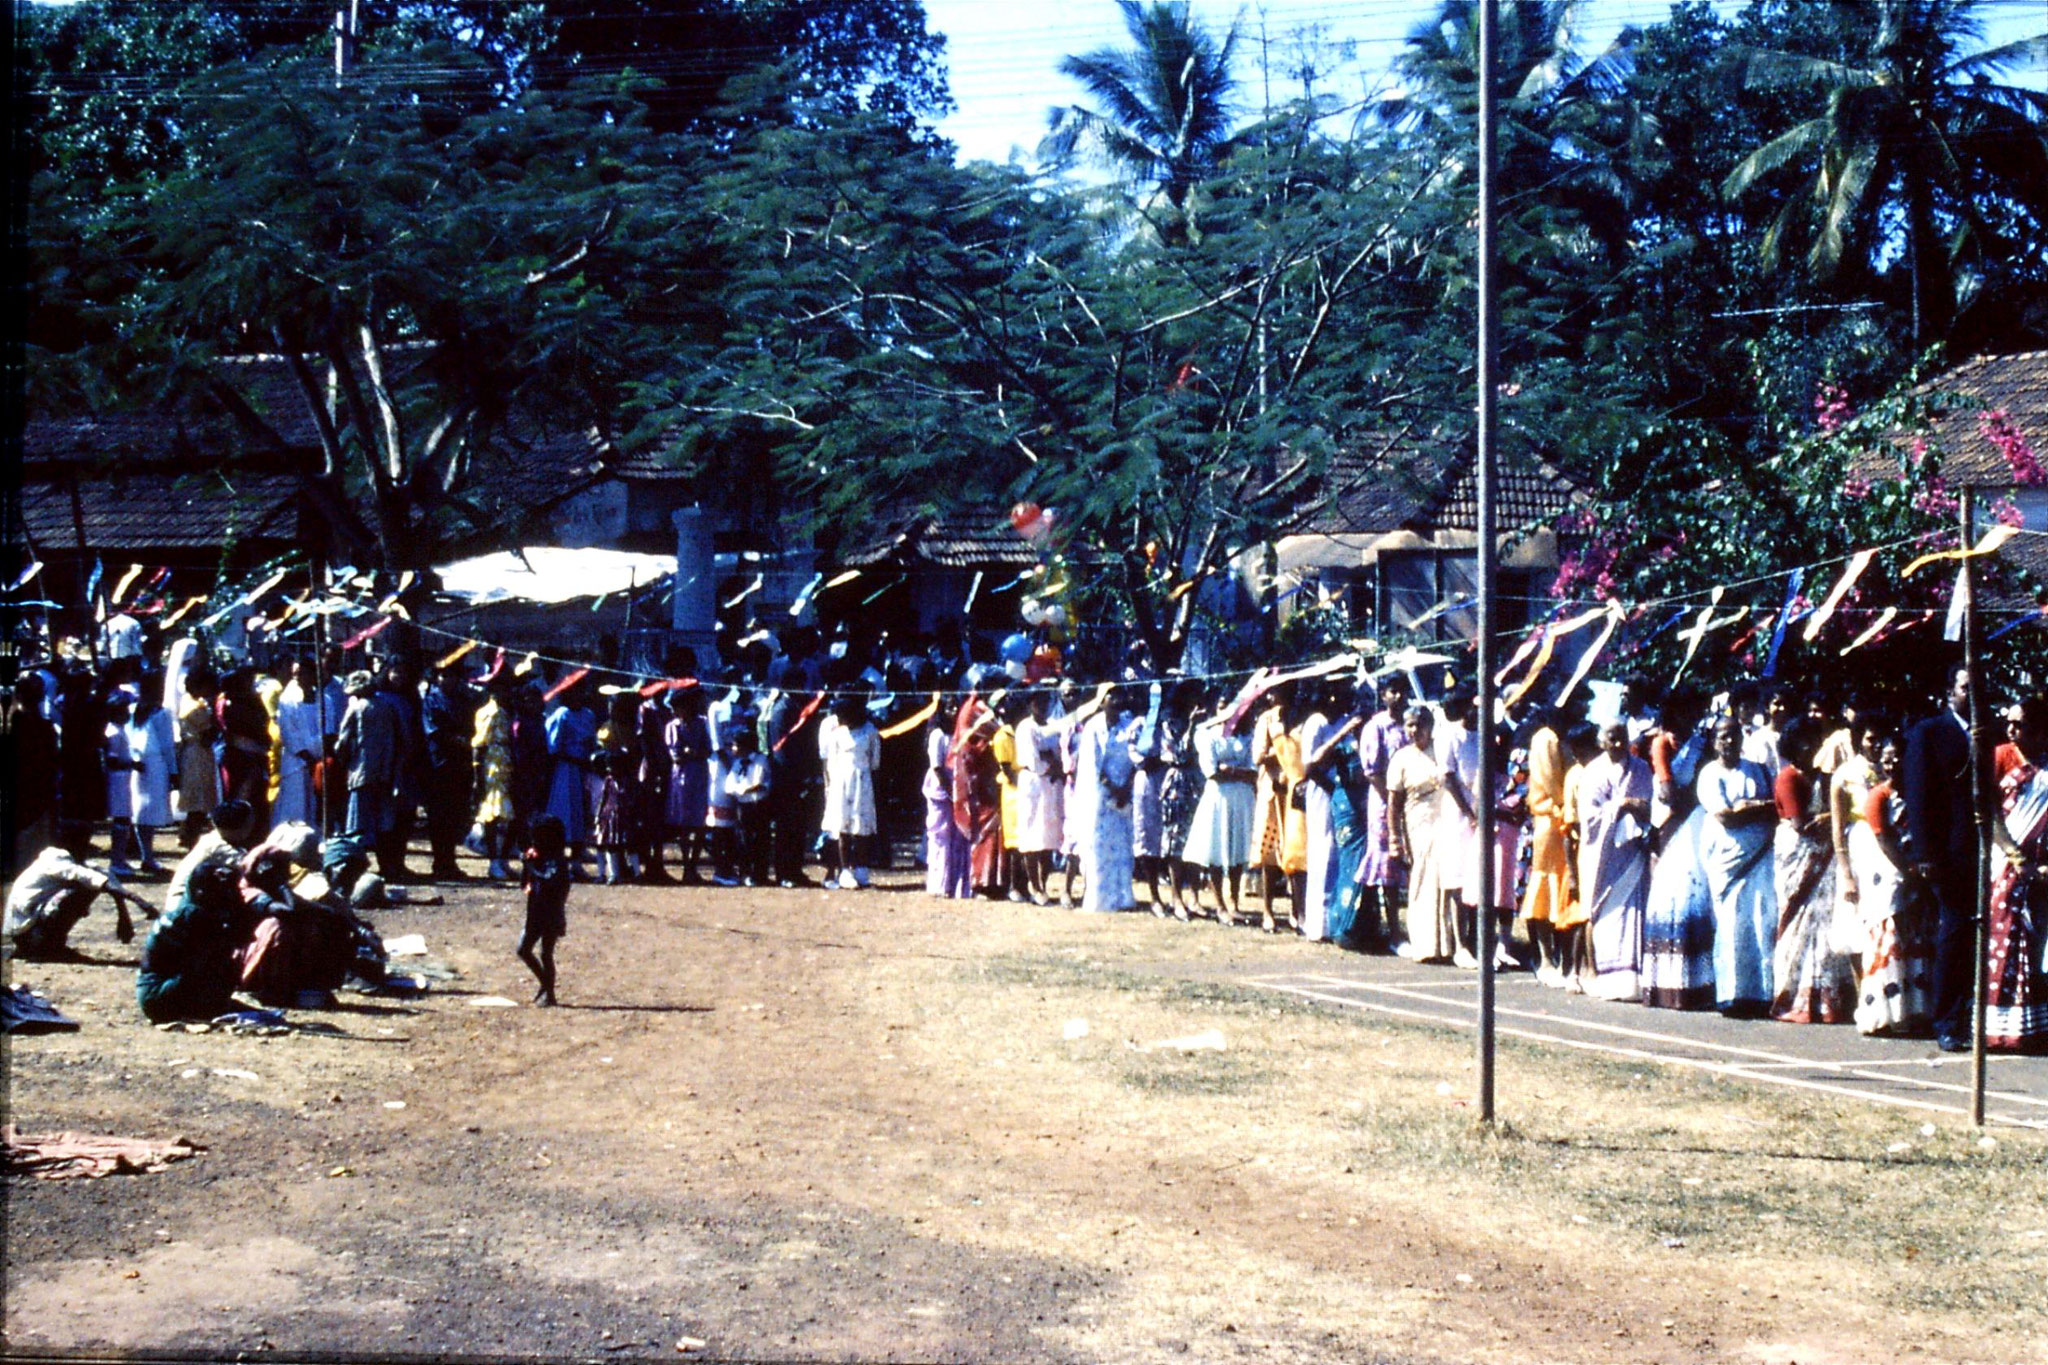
(876, 1126)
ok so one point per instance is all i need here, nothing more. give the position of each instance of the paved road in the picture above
(1833, 1060)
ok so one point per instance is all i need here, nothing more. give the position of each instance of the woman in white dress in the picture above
(1041, 795)
(1220, 835)
(1418, 790)
(1614, 864)
(1311, 918)
(852, 750)
(298, 728)
(1105, 760)
(154, 749)
(1735, 852)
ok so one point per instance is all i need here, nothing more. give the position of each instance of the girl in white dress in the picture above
(1220, 835)
(852, 750)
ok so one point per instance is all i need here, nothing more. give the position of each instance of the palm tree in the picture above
(1165, 106)
(1916, 132)
(1567, 126)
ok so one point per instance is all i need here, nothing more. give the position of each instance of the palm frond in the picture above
(1768, 69)
(1844, 180)
(1799, 141)
(2022, 53)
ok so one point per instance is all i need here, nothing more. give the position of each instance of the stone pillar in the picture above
(693, 614)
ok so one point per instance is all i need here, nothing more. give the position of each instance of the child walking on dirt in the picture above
(547, 899)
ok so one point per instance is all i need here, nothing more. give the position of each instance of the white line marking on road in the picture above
(1763, 1056)
(1739, 1071)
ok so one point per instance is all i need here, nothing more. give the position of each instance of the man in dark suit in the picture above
(1942, 819)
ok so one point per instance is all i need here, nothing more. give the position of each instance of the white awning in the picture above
(543, 573)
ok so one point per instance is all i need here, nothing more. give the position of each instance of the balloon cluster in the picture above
(1045, 609)
(1033, 522)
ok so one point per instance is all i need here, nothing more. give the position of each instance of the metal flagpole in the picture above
(1489, 357)
(1980, 802)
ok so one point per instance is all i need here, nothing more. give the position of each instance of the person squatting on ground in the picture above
(52, 895)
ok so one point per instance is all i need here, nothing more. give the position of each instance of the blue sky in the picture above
(1004, 56)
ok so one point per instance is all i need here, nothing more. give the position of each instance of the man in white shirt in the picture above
(52, 894)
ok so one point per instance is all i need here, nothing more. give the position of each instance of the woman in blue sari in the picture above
(1339, 767)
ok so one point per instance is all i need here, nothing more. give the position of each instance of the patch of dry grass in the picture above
(1793, 1195)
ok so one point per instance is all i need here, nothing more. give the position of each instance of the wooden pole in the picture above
(1489, 384)
(1981, 801)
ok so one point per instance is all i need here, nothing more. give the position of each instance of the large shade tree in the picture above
(920, 337)
(417, 265)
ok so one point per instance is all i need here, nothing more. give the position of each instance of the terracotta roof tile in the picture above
(145, 511)
(2015, 384)
(972, 538)
(1380, 488)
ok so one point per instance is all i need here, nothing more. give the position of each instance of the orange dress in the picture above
(1547, 900)
(1294, 817)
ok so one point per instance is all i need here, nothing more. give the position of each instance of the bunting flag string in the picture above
(1551, 635)
(1958, 602)
(1873, 630)
(1527, 647)
(569, 680)
(181, 612)
(1614, 619)
(1995, 537)
(121, 588)
(759, 581)
(450, 660)
(1531, 659)
(810, 709)
(1785, 618)
(802, 603)
(1858, 562)
(369, 632)
(912, 722)
(2030, 619)
(1703, 627)
(261, 588)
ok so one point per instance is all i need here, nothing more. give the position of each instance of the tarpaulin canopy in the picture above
(542, 573)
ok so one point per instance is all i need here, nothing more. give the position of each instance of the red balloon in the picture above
(1024, 513)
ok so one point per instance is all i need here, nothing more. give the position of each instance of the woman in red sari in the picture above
(2016, 993)
(977, 795)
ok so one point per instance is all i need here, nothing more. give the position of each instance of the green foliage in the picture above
(447, 259)
(1164, 116)
(1914, 128)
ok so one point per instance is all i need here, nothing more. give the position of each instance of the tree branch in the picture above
(316, 403)
(394, 435)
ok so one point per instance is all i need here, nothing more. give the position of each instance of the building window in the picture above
(1414, 582)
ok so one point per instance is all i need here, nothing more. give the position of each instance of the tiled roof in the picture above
(1380, 488)
(2014, 384)
(969, 539)
(528, 466)
(159, 511)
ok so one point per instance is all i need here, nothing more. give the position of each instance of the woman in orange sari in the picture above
(977, 795)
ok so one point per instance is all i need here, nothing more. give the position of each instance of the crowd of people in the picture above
(1763, 852)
